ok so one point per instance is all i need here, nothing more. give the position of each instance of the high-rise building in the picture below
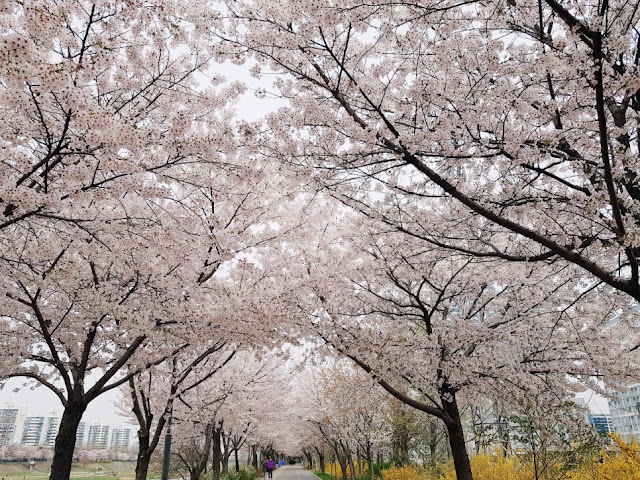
(32, 431)
(120, 437)
(8, 417)
(625, 412)
(601, 422)
(98, 436)
(80, 434)
(51, 431)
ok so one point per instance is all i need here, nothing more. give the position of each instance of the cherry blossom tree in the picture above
(153, 394)
(436, 328)
(497, 137)
(352, 427)
(520, 112)
(223, 412)
(122, 193)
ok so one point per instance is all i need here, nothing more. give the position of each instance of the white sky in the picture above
(42, 402)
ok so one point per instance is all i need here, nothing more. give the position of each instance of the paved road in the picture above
(293, 472)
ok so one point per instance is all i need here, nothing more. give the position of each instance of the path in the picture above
(293, 472)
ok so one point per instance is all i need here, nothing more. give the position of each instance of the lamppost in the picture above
(167, 450)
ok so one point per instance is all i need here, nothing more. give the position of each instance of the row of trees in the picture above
(128, 207)
(448, 198)
(358, 429)
(486, 155)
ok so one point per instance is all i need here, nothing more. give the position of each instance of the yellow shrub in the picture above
(619, 465)
(333, 469)
(622, 465)
(491, 467)
(406, 472)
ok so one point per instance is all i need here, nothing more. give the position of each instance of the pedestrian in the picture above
(270, 466)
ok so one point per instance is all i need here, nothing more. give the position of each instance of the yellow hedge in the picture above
(406, 472)
(490, 467)
(335, 470)
(622, 464)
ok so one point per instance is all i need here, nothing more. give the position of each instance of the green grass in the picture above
(323, 476)
(90, 471)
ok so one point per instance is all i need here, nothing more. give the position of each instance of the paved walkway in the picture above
(293, 472)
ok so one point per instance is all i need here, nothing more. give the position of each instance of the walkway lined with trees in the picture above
(441, 196)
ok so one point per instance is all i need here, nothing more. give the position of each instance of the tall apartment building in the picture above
(32, 431)
(625, 413)
(601, 422)
(80, 434)
(98, 436)
(51, 431)
(120, 437)
(17, 427)
(8, 420)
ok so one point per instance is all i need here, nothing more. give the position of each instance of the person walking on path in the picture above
(270, 466)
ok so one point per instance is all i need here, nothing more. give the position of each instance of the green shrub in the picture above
(246, 472)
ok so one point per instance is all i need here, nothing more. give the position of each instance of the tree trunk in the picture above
(226, 452)
(342, 461)
(370, 460)
(144, 456)
(351, 465)
(225, 461)
(216, 455)
(320, 453)
(66, 441)
(195, 470)
(433, 444)
(235, 456)
(254, 457)
(458, 446)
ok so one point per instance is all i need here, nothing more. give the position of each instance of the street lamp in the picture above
(167, 451)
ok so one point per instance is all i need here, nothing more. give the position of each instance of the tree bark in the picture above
(370, 459)
(66, 441)
(254, 457)
(458, 446)
(320, 452)
(216, 455)
(144, 456)
(195, 471)
(226, 453)
(342, 461)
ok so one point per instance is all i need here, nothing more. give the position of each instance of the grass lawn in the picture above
(90, 471)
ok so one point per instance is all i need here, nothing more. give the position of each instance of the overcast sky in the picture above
(42, 402)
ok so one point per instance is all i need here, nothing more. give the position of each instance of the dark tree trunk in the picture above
(226, 452)
(144, 456)
(370, 459)
(196, 470)
(235, 456)
(216, 455)
(342, 461)
(254, 457)
(433, 444)
(458, 446)
(66, 441)
(351, 465)
(320, 452)
(225, 461)
(146, 444)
